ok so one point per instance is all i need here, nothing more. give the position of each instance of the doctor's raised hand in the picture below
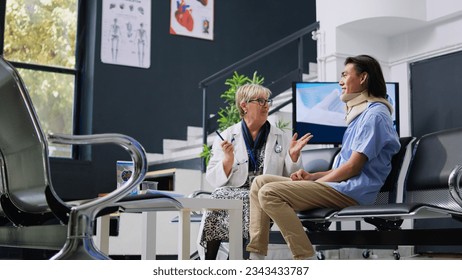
(296, 146)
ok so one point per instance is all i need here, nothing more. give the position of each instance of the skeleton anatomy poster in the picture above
(126, 32)
(192, 18)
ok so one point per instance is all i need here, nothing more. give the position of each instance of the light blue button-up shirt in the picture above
(372, 134)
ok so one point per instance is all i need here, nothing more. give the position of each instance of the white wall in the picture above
(438, 9)
(395, 32)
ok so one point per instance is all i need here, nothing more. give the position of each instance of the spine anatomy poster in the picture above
(126, 33)
(193, 18)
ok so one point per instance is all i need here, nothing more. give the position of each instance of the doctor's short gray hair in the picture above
(248, 92)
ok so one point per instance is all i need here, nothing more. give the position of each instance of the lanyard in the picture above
(252, 157)
(260, 141)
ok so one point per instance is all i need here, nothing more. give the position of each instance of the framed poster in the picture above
(193, 18)
(126, 33)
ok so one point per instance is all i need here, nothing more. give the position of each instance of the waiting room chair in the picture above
(320, 219)
(28, 200)
(431, 191)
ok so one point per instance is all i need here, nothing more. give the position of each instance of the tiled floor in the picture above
(402, 253)
(278, 252)
(435, 256)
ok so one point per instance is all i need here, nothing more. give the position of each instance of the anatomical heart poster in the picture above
(193, 18)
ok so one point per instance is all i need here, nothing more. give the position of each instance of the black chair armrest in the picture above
(317, 214)
(454, 183)
(133, 147)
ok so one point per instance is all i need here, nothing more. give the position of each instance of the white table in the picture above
(148, 231)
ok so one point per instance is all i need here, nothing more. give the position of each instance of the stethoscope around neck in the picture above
(277, 146)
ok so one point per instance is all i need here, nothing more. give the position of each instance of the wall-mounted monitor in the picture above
(318, 109)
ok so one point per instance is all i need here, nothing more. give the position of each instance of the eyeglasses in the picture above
(262, 102)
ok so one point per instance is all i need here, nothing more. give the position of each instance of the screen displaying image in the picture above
(317, 109)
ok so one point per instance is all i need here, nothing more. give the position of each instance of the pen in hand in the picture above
(228, 150)
(219, 135)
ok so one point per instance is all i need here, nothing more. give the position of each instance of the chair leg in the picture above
(79, 249)
(212, 249)
(79, 243)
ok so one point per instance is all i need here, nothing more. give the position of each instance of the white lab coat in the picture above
(274, 163)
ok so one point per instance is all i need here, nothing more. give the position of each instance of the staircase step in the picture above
(172, 146)
(194, 132)
(172, 158)
(154, 157)
(191, 152)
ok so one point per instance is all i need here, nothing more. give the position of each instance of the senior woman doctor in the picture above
(247, 149)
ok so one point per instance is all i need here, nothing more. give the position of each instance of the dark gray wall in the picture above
(160, 102)
(436, 94)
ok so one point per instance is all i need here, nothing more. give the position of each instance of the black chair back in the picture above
(23, 151)
(389, 191)
(315, 160)
(435, 156)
